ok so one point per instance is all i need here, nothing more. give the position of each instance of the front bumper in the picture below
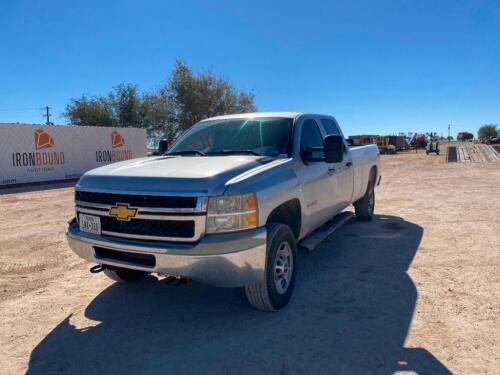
(224, 260)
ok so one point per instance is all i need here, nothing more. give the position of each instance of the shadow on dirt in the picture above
(4, 190)
(350, 314)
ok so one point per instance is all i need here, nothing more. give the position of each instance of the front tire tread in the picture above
(262, 295)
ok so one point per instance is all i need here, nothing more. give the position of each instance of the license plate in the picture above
(90, 224)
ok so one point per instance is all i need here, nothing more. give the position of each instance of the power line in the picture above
(19, 109)
(46, 109)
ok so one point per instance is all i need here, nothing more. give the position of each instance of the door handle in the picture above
(348, 164)
(331, 171)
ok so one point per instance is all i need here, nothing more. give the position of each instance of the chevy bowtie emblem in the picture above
(122, 212)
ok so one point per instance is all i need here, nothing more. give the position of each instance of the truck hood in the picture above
(179, 175)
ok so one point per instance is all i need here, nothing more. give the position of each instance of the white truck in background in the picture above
(229, 204)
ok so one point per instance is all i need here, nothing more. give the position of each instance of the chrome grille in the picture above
(179, 219)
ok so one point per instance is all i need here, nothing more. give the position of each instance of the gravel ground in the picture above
(417, 290)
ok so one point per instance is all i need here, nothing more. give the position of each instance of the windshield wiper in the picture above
(235, 152)
(188, 152)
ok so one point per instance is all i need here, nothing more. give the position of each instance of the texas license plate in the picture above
(89, 223)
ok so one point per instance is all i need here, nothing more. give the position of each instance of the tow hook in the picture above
(97, 268)
(175, 281)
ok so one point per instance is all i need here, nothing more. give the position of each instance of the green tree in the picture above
(90, 112)
(489, 130)
(157, 117)
(184, 99)
(121, 107)
(194, 97)
(464, 136)
(126, 104)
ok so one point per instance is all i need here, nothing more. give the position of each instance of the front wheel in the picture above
(274, 292)
(365, 207)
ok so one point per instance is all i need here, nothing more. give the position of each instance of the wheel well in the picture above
(288, 213)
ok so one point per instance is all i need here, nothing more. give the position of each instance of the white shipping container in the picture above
(32, 154)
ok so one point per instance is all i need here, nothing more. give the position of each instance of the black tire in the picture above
(266, 295)
(365, 207)
(124, 274)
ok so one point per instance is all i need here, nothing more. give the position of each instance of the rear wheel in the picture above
(365, 207)
(124, 274)
(274, 292)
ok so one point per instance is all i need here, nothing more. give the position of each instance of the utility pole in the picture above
(449, 133)
(47, 115)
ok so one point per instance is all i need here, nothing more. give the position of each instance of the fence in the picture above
(32, 154)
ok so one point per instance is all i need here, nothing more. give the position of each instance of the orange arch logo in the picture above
(43, 139)
(117, 140)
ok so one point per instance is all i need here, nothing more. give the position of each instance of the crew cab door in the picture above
(318, 183)
(344, 171)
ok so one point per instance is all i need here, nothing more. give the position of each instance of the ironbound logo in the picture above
(117, 140)
(123, 212)
(42, 140)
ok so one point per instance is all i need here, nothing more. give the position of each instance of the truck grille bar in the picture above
(157, 228)
(136, 200)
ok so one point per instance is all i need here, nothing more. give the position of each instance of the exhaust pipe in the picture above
(98, 268)
(171, 281)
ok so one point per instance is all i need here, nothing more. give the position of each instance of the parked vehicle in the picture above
(418, 141)
(384, 146)
(398, 142)
(228, 205)
(432, 147)
(362, 139)
(491, 140)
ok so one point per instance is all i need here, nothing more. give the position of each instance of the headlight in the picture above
(231, 212)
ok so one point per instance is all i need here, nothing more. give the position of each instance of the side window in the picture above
(311, 137)
(330, 127)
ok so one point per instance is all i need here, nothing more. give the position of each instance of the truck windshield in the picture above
(251, 136)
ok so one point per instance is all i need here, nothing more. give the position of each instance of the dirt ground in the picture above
(417, 290)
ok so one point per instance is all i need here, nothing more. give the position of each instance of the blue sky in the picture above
(377, 66)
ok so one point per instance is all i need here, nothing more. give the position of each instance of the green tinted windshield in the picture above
(264, 136)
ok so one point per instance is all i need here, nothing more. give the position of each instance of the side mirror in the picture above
(334, 149)
(162, 146)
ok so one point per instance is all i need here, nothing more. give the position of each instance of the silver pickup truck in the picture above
(228, 205)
